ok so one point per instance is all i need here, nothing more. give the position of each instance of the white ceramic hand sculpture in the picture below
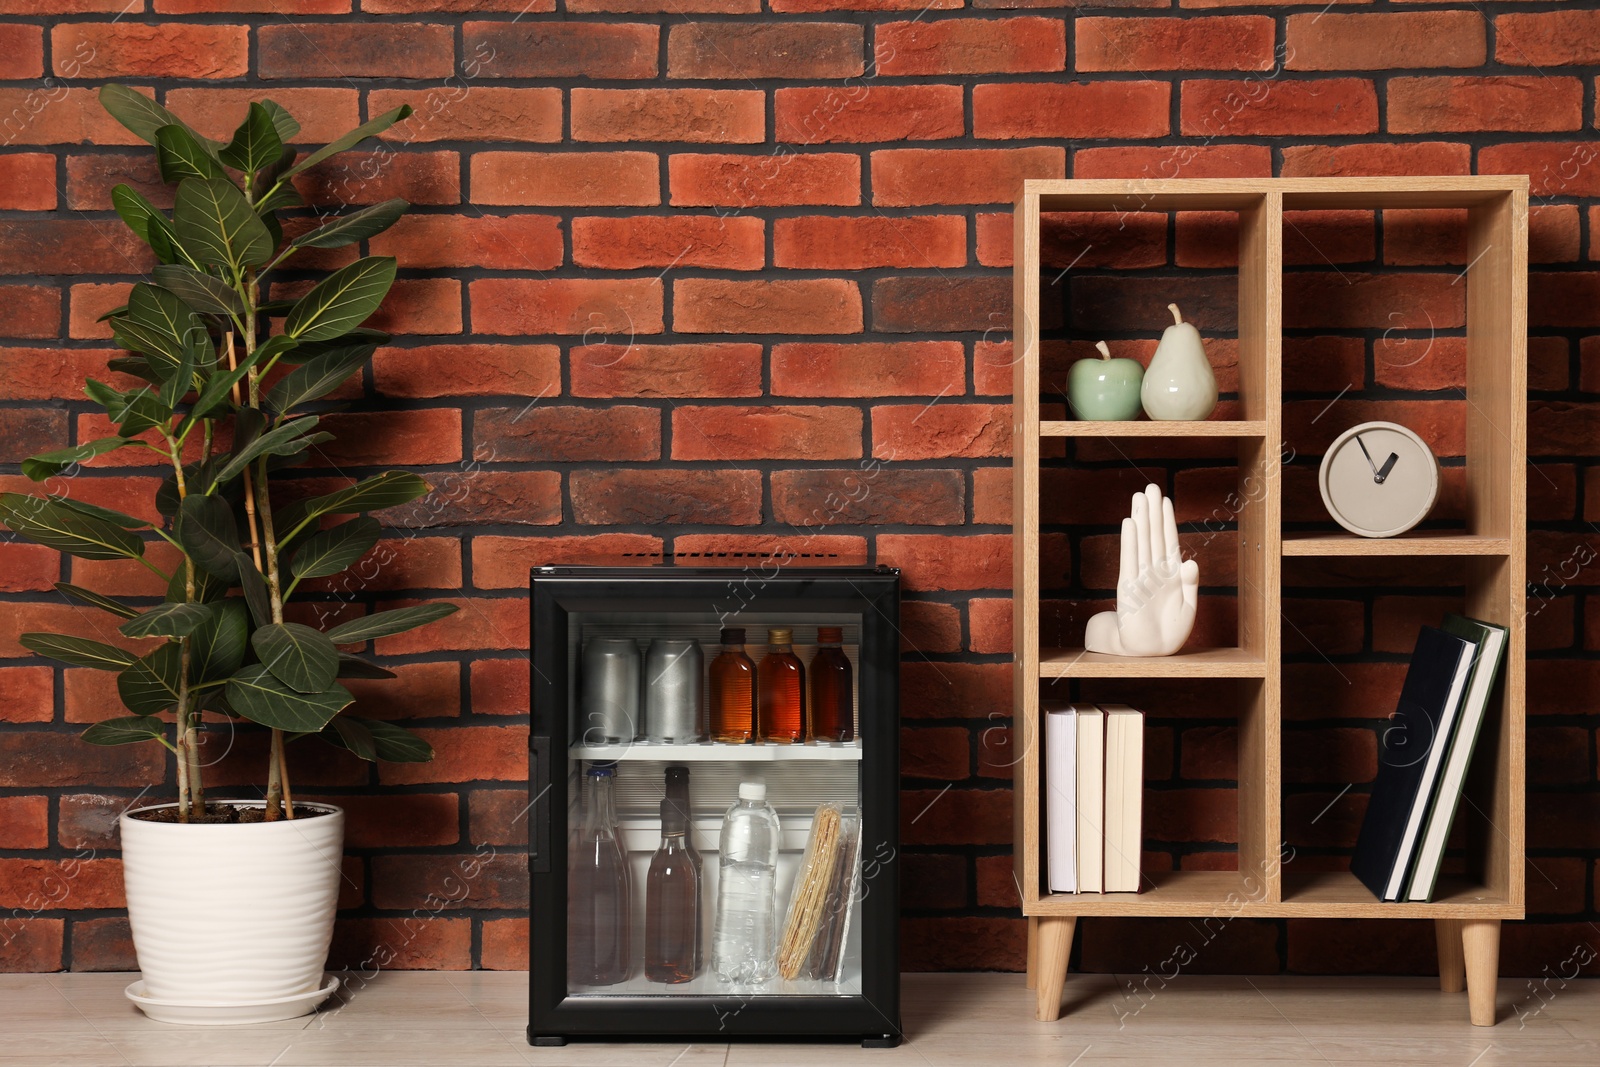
(1156, 588)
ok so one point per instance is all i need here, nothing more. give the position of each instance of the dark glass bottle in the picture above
(599, 905)
(678, 794)
(781, 686)
(733, 691)
(671, 903)
(832, 698)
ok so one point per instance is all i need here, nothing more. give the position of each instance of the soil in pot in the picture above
(221, 813)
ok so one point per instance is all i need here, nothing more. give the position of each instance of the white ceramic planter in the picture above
(232, 922)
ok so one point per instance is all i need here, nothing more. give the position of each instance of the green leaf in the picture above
(255, 143)
(317, 377)
(217, 649)
(207, 586)
(181, 155)
(136, 366)
(220, 386)
(351, 734)
(283, 196)
(282, 121)
(151, 684)
(134, 411)
(78, 651)
(356, 226)
(160, 310)
(255, 590)
(331, 551)
(95, 511)
(50, 524)
(140, 114)
(89, 596)
(167, 620)
(298, 656)
(164, 240)
(381, 491)
(204, 293)
(353, 138)
(135, 210)
(281, 440)
(124, 731)
(218, 226)
(163, 350)
(386, 623)
(206, 529)
(355, 667)
(343, 299)
(260, 697)
(396, 744)
(48, 464)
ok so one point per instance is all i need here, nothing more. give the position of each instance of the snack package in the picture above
(827, 951)
(808, 903)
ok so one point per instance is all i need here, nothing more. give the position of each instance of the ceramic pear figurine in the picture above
(1179, 385)
(1104, 389)
(1157, 589)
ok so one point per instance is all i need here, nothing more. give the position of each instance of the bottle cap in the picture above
(607, 769)
(752, 790)
(784, 636)
(733, 635)
(674, 820)
(830, 635)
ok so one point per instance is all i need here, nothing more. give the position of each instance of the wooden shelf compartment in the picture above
(1190, 663)
(1227, 894)
(1340, 894)
(1203, 428)
(1423, 543)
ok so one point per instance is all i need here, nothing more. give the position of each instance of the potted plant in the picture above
(231, 902)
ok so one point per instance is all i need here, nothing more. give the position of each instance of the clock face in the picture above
(1379, 479)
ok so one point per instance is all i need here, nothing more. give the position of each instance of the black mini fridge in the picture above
(627, 778)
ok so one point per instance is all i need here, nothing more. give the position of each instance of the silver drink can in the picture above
(610, 691)
(673, 669)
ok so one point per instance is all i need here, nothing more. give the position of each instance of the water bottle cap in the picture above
(752, 790)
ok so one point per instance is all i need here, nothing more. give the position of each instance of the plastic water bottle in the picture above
(745, 948)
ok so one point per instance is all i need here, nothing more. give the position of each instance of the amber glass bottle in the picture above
(781, 685)
(733, 691)
(831, 696)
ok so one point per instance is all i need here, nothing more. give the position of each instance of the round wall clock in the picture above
(1378, 479)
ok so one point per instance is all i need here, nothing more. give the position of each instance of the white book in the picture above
(1091, 799)
(1124, 796)
(1061, 793)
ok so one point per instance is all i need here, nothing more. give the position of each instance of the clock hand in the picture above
(1364, 452)
(1388, 465)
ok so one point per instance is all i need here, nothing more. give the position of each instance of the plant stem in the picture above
(191, 791)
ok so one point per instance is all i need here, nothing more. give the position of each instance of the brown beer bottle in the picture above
(733, 691)
(781, 685)
(832, 717)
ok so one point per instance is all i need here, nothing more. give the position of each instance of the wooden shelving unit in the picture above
(1467, 910)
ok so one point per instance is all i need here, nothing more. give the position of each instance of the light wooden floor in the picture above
(468, 1019)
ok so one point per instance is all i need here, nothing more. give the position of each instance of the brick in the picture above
(1438, 422)
(471, 7)
(1561, 38)
(36, 759)
(909, 177)
(302, 7)
(847, 496)
(667, 7)
(465, 754)
(418, 690)
(145, 50)
(558, 433)
(861, 113)
(324, 113)
(1223, 108)
(528, 498)
(70, 246)
(917, 304)
(26, 568)
(992, 368)
(697, 116)
(619, 496)
(989, 623)
(61, 115)
(1415, 238)
(1327, 41)
(429, 435)
(566, 179)
(486, 113)
(932, 882)
(504, 943)
(409, 943)
(1094, 110)
(873, 369)
(929, 628)
(860, 5)
(934, 561)
(578, 306)
(629, 243)
(500, 686)
(939, 431)
(793, 306)
(493, 242)
(90, 179)
(88, 820)
(1174, 161)
(747, 51)
(87, 302)
(768, 180)
(27, 180)
(946, 944)
(766, 432)
(48, 373)
(371, 177)
(504, 563)
(26, 694)
(331, 50)
(22, 53)
(29, 311)
(1082, 239)
(543, 49)
(1227, 42)
(25, 431)
(1462, 104)
(24, 822)
(447, 882)
(1400, 302)
(955, 816)
(499, 817)
(942, 753)
(1420, 362)
(860, 242)
(744, 550)
(1353, 160)
(467, 370)
(970, 46)
(1554, 168)
(1562, 299)
(686, 370)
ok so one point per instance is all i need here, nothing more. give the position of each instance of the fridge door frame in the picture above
(873, 1016)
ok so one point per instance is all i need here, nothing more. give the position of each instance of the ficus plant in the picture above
(226, 385)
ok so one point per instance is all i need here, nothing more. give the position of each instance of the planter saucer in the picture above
(242, 1013)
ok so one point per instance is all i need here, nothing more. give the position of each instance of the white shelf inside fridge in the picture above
(713, 752)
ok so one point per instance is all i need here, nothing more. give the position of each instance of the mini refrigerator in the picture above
(628, 696)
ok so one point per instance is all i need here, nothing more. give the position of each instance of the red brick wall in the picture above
(678, 268)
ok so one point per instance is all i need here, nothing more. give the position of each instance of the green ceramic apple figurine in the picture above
(1104, 389)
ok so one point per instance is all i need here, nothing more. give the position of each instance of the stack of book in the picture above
(1094, 785)
(1423, 756)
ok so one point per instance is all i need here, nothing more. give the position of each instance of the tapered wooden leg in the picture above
(1452, 965)
(1055, 945)
(1033, 950)
(1480, 944)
